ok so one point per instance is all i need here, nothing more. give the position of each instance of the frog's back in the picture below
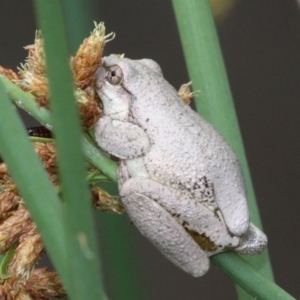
(185, 149)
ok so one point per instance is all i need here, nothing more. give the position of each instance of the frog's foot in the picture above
(252, 242)
(164, 231)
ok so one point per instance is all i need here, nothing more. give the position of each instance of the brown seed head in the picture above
(8, 202)
(23, 295)
(36, 56)
(33, 83)
(8, 73)
(27, 253)
(33, 73)
(47, 153)
(88, 108)
(13, 227)
(105, 202)
(88, 57)
(185, 93)
(44, 283)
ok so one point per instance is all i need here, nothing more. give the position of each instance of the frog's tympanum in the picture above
(179, 180)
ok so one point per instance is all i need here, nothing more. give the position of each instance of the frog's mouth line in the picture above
(101, 96)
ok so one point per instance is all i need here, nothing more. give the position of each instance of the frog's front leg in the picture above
(163, 230)
(121, 139)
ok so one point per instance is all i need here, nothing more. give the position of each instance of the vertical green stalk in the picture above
(79, 15)
(125, 280)
(123, 273)
(83, 263)
(207, 72)
(32, 180)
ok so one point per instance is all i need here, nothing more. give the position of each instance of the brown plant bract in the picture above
(8, 73)
(36, 55)
(12, 228)
(27, 253)
(47, 153)
(9, 198)
(35, 84)
(32, 74)
(88, 107)
(185, 93)
(43, 283)
(105, 202)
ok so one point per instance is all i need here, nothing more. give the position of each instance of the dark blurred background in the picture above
(260, 40)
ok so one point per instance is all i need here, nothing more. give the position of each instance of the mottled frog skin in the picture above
(179, 181)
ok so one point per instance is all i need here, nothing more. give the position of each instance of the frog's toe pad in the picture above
(252, 242)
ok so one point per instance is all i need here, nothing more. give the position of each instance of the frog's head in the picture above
(109, 86)
(119, 81)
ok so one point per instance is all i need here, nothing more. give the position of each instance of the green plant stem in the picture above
(84, 11)
(32, 181)
(84, 266)
(5, 261)
(207, 72)
(247, 277)
(27, 102)
(120, 250)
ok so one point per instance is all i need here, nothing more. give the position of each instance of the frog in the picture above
(179, 181)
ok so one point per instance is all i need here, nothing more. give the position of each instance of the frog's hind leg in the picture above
(252, 242)
(165, 233)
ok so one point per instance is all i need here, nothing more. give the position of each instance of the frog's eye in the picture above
(114, 75)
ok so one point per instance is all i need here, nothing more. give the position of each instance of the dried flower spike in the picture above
(88, 108)
(88, 57)
(8, 201)
(42, 283)
(47, 153)
(34, 83)
(185, 93)
(105, 202)
(33, 73)
(8, 73)
(36, 56)
(12, 228)
(22, 295)
(27, 253)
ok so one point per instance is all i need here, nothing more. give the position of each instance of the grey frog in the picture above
(179, 181)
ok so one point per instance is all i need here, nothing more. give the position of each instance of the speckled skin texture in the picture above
(177, 175)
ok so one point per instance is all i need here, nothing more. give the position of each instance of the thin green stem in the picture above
(32, 180)
(5, 261)
(84, 11)
(207, 72)
(40, 139)
(84, 273)
(247, 277)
